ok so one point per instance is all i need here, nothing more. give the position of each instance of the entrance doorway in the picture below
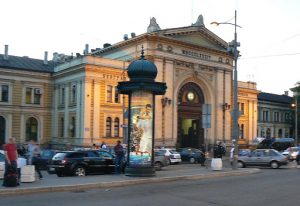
(190, 131)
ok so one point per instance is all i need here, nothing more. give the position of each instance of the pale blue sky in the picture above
(269, 37)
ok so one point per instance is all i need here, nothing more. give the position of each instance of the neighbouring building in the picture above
(275, 115)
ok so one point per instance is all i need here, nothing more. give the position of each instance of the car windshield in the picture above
(46, 153)
(2, 158)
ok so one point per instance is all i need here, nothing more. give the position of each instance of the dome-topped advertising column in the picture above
(141, 90)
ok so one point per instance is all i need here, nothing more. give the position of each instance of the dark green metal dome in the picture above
(142, 70)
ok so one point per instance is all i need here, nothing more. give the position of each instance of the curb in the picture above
(80, 187)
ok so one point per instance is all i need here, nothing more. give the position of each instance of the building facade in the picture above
(74, 99)
(275, 117)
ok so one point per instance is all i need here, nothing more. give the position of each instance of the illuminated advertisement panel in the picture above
(141, 123)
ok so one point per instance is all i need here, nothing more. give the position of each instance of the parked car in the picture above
(173, 156)
(160, 160)
(280, 144)
(192, 155)
(291, 153)
(46, 157)
(263, 157)
(2, 163)
(81, 163)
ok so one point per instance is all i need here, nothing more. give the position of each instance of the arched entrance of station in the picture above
(190, 131)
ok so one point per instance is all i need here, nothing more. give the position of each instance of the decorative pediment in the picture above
(196, 35)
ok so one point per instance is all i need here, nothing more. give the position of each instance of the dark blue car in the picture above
(192, 155)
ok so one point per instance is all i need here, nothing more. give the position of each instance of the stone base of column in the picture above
(140, 171)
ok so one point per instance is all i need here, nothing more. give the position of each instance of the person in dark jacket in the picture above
(219, 150)
(119, 155)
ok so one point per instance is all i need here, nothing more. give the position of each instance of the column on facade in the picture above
(218, 107)
(87, 113)
(79, 108)
(66, 113)
(96, 111)
(55, 121)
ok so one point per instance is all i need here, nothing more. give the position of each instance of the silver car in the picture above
(263, 157)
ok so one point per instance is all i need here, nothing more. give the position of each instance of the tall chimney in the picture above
(286, 93)
(46, 58)
(86, 50)
(6, 52)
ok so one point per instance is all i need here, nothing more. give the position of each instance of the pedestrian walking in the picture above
(11, 155)
(36, 158)
(119, 155)
(219, 150)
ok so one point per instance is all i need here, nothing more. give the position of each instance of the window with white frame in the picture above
(287, 117)
(4, 93)
(33, 95)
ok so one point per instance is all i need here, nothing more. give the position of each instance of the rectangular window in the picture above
(287, 117)
(276, 116)
(3, 93)
(117, 95)
(33, 95)
(109, 93)
(73, 94)
(266, 116)
(242, 108)
(62, 96)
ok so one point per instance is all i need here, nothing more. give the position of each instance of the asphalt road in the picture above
(271, 187)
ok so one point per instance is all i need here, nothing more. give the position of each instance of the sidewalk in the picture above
(52, 183)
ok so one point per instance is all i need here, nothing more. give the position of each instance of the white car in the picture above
(291, 152)
(172, 154)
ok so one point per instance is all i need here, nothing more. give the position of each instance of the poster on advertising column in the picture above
(141, 122)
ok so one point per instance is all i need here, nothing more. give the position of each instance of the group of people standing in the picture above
(14, 160)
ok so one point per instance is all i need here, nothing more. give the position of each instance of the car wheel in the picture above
(274, 165)
(192, 160)
(80, 171)
(240, 164)
(158, 165)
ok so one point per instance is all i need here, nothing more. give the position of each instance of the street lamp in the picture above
(295, 105)
(235, 114)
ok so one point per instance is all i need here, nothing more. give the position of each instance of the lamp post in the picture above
(295, 105)
(235, 114)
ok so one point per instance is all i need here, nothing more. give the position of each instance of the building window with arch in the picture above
(116, 127)
(31, 129)
(117, 95)
(33, 95)
(109, 93)
(3, 93)
(108, 127)
(62, 126)
(2, 130)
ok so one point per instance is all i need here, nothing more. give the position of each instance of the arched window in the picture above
(108, 127)
(31, 129)
(116, 127)
(2, 131)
